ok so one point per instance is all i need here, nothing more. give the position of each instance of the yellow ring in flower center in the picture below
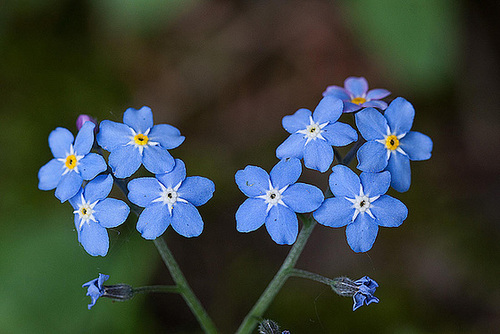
(141, 139)
(391, 142)
(71, 161)
(358, 100)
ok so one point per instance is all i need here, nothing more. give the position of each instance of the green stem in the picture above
(157, 288)
(312, 276)
(265, 300)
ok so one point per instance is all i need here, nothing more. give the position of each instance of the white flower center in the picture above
(362, 203)
(273, 196)
(85, 211)
(71, 161)
(141, 140)
(169, 196)
(313, 130)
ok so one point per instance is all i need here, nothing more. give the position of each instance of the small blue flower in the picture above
(356, 94)
(72, 162)
(390, 143)
(274, 199)
(136, 141)
(170, 199)
(94, 213)
(360, 204)
(313, 135)
(364, 295)
(95, 288)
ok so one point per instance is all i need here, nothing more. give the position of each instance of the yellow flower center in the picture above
(84, 211)
(141, 139)
(392, 142)
(358, 100)
(71, 161)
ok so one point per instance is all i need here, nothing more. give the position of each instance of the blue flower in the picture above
(356, 94)
(360, 204)
(312, 136)
(274, 199)
(72, 162)
(95, 288)
(94, 213)
(170, 199)
(138, 142)
(366, 288)
(390, 143)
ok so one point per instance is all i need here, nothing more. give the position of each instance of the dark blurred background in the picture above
(225, 73)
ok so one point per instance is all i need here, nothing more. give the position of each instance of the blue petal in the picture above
(144, 190)
(285, 172)
(75, 201)
(417, 145)
(60, 141)
(371, 124)
(334, 212)
(99, 188)
(357, 86)
(68, 186)
(318, 155)
(389, 211)
(282, 225)
(186, 220)
(175, 176)
(339, 134)
(251, 215)
(301, 197)
(50, 174)
(197, 190)
(252, 181)
(351, 107)
(337, 92)
(375, 104)
(91, 165)
(168, 136)
(113, 135)
(377, 94)
(359, 300)
(140, 120)
(94, 239)
(85, 139)
(125, 161)
(111, 212)
(375, 184)
(153, 221)
(372, 157)
(157, 160)
(361, 234)
(292, 147)
(329, 109)
(399, 166)
(344, 182)
(400, 114)
(297, 121)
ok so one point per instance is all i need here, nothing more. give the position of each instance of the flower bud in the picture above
(361, 290)
(269, 327)
(118, 292)
(82, 119)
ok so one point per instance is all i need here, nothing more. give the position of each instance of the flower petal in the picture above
(375, 104)
(60, 141)
(377, 94)
(371, 124)
(144, 190)
(68, 186)
(282, 225)
(175, 176)
(292, 147)
(99, 188)
(361, 234)
(125, 161)
(417, 145)
(389, 211)
(91, 165)
(111, 212)
(251, 215)
(197, 190)
(400, 114)
(113, 135)
(357, 86)
(153, 221)
(372, 157)
(339, 134)
(334, 212)
(375, 184)
(252, 181)
(85, 138)
(344, 182)
(351, 107)
(318, 155)
(50, 174)
(157, 160)
(285, 172)
(297, 121)
(399, 166)
(75, 201)
(329, 109)
(337, 92)
(168, 136)
(94, 239)
(186, 220)
(139, 119)
(301, 197)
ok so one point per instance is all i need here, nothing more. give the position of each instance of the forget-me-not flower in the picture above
(274, 198)
(136, 141)
(360, 204)
(94, 213)
(390, 143)
(95, 288)
(170, 199)
(364, 295)
(313, 135)
(355, 94)
(72, 162)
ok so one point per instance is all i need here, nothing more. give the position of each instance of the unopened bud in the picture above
(82, 119)
(118, 292)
